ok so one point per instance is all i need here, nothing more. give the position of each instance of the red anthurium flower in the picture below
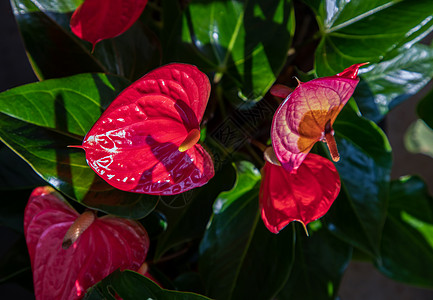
(97, 20)
(307, 115)
(70, 253)
(146, 140)
(302, 196)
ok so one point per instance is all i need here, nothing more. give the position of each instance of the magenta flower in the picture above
(97, 20)
(70, 253)
(307, 115)
(146, 140)
(303, 196)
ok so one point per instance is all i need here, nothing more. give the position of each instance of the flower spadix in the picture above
(307, 115)
(146, 140)
(70, 252)
(303, 196)
(97, 20)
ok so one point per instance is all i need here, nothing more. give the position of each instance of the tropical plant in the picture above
(178, 140)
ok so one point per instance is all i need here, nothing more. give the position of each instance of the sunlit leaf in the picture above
(236, 40)
(386, 84)
(367, 30)
(40, 120)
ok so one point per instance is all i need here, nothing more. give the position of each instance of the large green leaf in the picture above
(367, 30)
(188, 213)
(236, 245)
(320, 261)
(419, 138)
(236, 40)
(130, 285)
(358, 214)
(386, 84)
(61, 53)
(407, 243)
(39, 120)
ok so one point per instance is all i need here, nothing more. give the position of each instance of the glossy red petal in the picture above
(300, 120)
(109, 243)
(303, 195)
(134, 145)
(97, 20)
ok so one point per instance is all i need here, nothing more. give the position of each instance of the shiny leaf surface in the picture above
(306, 116)
(62, 6)
(358, 214)
(107, 244)
(407, 243)
(360, 30)
(97, 20)
(63, 54)
(145, 141)
(38, 121)
(131, 285)
(320, 261)
(386, 84)
(304, 195)
(236, 40)
(236, 245)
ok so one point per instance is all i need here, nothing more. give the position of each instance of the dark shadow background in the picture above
(361, 280)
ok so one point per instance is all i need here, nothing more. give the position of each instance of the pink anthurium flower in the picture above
(70, 252)
(303, 196)
(97, 20)
(146, 140)
(307, 115)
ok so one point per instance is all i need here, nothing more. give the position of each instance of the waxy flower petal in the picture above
(107, 244)
(307, 115)
(97, 20)
(145, 141)
(302, 196)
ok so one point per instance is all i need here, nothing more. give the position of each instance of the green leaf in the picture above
(236, 40)
(367, 30)
(419, 138)
(393, 80)
(40, 120)
(61, 6)
(188, 213)
(320, 261)
(61, 53)
(358, 214)
(407, 243)
(130, 285)
(425, 109)
(236, 244)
